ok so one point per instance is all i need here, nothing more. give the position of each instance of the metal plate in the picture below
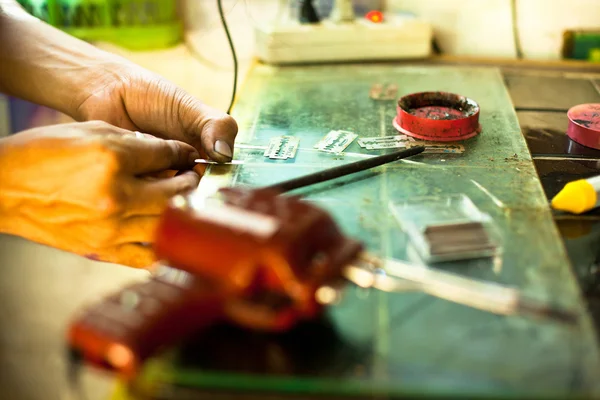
(282, 147)
(336, 141)
(370, 142)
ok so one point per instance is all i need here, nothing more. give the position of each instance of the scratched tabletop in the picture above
(374, 343)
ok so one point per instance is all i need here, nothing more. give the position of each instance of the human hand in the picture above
(130, 97)
(84, 188)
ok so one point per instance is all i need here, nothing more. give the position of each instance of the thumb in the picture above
(209, 130)
(218, 136)
(169, 112)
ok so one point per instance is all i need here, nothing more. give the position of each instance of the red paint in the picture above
(437, 116)
(584, 125)
(437, 112)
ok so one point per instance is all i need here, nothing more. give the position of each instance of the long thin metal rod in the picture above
(399, 276)
(342, 170)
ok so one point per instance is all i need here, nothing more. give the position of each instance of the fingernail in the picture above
(223, 149)
(194, 155)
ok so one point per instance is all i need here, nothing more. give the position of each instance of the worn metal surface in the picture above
(402, 343)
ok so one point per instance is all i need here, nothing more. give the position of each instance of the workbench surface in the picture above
(400, 342)
(396, 344)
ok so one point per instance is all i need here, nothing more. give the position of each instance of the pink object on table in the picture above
(584, 125)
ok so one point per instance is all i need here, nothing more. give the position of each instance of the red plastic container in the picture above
(584, 125)
(437, 116)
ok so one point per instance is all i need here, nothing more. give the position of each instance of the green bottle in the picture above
(37, 8)
(145, 24)
(132, 24)
(85, 19)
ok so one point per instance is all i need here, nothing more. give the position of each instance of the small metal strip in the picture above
(336, 141)
(282, 147)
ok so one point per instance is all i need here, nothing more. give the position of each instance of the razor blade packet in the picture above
(447, 228)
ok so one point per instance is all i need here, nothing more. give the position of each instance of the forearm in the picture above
(44, 65)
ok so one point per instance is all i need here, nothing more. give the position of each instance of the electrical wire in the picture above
(233, 55)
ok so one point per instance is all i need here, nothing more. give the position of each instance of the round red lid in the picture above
(584, 125)
(437, 116)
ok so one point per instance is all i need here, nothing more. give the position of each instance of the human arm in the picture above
(87, 188)
(46, 66)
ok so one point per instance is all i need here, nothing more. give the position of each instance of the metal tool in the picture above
(252, 256)
(487, 296)
(263, 261)
(345, 169)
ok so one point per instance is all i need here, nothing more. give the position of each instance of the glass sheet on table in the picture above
(395, 344)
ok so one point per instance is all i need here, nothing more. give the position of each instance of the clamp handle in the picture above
(119, 333)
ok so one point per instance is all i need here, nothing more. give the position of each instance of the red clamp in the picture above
(251, 257)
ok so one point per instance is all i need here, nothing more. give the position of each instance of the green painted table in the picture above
(395, 344)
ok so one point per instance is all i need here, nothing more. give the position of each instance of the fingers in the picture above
(217, 137)
(151, 155)
(210, 131)
(169, 112)
(151, 196)
(138, 229)
(140, 153)
(200, 169)
(131, 255)
(169, 173)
